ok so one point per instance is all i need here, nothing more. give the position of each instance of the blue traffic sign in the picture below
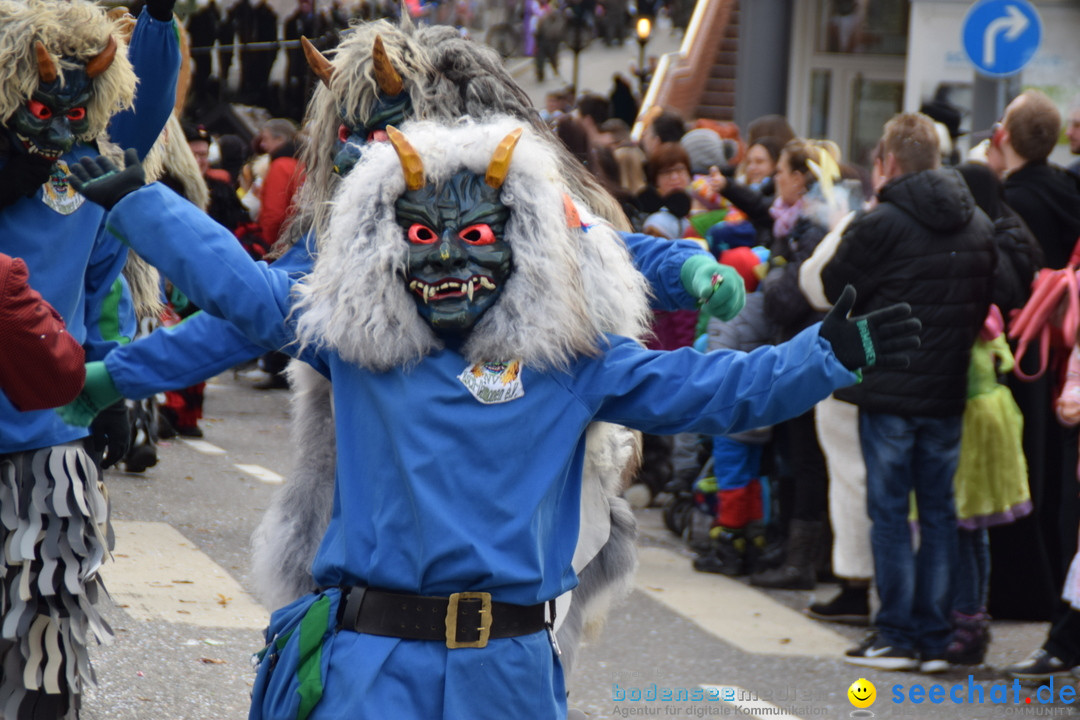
(1001, 36)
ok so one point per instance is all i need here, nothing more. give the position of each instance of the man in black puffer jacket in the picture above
(927, 244)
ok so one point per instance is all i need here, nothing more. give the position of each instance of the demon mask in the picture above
(54, 116)
(458, 260)
(393, 105)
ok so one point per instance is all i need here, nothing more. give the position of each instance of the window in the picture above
(863, 27)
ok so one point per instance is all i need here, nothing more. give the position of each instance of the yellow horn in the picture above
(322, 67)
(500, 159)
(411, 164)
(388, 78)
(101, 62)
(46, 66)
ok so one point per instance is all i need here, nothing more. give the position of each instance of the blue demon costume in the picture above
(448, 308)
(65, 70)
(78, 280)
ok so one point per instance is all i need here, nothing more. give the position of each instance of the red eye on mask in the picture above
(422, 234)
(478, 235)
(343, 133)
(38, 110)
(76, 114)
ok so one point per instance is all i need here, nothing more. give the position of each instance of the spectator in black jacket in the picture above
(925, 243)
(1044, 195)
(1035, 554)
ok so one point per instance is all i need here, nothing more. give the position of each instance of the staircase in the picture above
(698, 81)
(717, 101)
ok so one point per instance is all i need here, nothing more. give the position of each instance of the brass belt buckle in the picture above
(484, 619)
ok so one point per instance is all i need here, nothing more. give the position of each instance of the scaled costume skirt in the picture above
(54, 523)
(991, 482)
(310, 670)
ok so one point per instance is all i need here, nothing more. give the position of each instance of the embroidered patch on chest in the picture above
(57, 192)
(493, 382)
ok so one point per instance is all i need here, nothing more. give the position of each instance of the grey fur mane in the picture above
(288, 535)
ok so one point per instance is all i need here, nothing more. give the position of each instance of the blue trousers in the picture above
(905, 455)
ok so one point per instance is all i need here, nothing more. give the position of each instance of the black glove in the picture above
(111, 434)
(103, 183)
(160, 9)
(881, 338)
(23, 174)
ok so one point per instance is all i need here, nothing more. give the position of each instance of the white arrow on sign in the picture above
(1012, 24)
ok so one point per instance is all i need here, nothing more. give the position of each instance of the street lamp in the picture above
(644, 29)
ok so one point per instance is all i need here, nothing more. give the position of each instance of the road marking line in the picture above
(731, 611)
(158, 574)
(748, 705)
(260, 473)
(204, 447)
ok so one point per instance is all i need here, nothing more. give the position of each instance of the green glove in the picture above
(98, 393)
(718, 288)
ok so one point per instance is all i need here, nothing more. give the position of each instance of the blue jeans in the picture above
(972, 585)
(905, 454)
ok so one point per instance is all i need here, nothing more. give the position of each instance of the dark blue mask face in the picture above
(53, 117)
(458, 260)
(352, 138)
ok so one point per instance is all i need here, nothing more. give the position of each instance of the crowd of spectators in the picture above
(826, 495)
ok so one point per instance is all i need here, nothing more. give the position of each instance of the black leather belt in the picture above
(463, 620)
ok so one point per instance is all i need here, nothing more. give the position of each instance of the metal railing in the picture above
(261, 45)
(675, 67)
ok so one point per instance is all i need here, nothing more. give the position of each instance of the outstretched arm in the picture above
(726, 391)
(198, 348)
(204, 260)
(716, 393)
(200, 256)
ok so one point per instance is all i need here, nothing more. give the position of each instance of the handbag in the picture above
(1051, 316)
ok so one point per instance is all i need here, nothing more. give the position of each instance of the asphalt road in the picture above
(186, 624)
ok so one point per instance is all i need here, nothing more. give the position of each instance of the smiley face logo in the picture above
(862, 693)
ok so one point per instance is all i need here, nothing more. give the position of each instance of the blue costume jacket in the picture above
(453, 477)
(72, 262)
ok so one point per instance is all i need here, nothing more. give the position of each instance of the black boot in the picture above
(970, 638)
(726, 554)
(851, 606)
(772, 555)
(798, 571)
(755, 547)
